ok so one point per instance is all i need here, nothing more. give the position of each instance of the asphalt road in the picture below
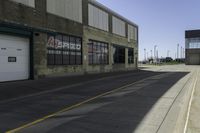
(82, 102)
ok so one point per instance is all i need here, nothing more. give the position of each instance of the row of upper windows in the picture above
(192, 43)
(100, 19)
(72, 9)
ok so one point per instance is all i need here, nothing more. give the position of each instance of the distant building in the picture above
(42, 38)
(192, 45)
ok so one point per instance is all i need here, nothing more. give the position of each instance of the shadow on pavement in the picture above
(123, 114)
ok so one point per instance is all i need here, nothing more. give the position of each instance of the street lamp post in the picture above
(144, 54)
(157, 55)
(181, 52)
(177, 51)
(168, 53)
(155, 52)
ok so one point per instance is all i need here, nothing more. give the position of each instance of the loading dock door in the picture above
(14, 58)
(194, 59)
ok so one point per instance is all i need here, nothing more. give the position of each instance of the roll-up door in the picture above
(14, 58)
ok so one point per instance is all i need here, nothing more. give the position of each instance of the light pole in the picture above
(157, 55)
(155, 51)
(144, 54)
(151, 54)
(181, 52)
(175, 56)
(168, 53)
(177, 51)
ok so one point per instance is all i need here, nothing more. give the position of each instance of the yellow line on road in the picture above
(74, 106)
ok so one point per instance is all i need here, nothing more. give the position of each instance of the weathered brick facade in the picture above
(36, 23)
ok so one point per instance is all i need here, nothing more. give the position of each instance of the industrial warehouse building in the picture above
(41, 38)
(192, 47)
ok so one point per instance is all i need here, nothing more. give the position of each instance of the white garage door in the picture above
(14, 58)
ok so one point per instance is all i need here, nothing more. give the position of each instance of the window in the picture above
(193, 43)
(132, 33)
(97, 18)
(70, 9)
(130, 55)
(118, 54)
(118, 27)
(64, 50)
(135, 33)
(98, 52)
(26, 2)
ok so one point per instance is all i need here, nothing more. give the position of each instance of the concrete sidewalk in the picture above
(194, 112)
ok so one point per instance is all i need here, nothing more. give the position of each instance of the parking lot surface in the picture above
(134, 101)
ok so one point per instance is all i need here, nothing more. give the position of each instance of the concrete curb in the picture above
(176, 117)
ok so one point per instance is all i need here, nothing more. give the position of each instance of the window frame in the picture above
(63, 51)
(131, 50)
(103, 53)
(118, 54)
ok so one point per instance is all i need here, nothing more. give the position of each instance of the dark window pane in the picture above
(72, 50)
(130, 55)
(50, 50)
(90, 49)
(119, 54)
(65, 57)
(64, 50)
(97, 52)
(72, 44)
(72, 58)
(78, 44)
(58, 42)
(66, 45)
(90, 58)
(58, 57)
(50, 57)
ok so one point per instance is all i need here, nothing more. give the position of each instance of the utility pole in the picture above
(151, 54)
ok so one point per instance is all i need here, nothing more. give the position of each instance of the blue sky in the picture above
(161, 22)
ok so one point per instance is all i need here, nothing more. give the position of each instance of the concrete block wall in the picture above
(41, 23)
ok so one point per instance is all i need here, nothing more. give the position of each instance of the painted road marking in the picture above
(76, 105)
